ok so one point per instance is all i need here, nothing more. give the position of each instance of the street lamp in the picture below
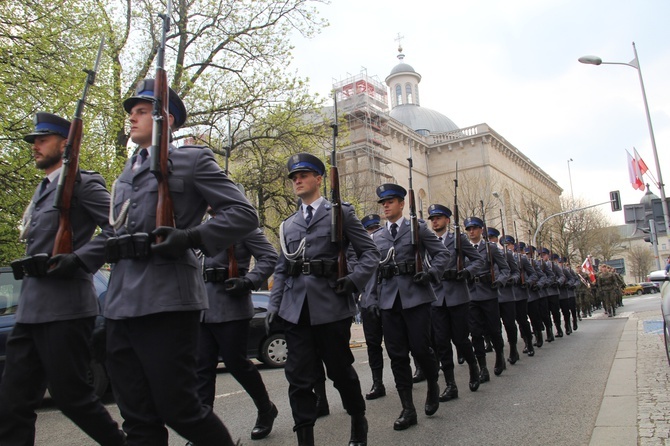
(504, 212)
(635, 63)
(571, 192)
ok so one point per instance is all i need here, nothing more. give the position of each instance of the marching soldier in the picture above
(49, 344)
(583, 292)
(317, 307)
(538, 310)
(571, 277)
(484, 308)
(156, 292)
(405, 297)
(555, 279)
(607, 284)
(451, 309)
(527, 278)
(225, 325)
(564, 297)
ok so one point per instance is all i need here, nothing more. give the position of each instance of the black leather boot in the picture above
(432, 397)
(474, 376)
(305, 436)
(451, 391)
(538, 339)
(461, 360)
(407, 417)
(483, 371)
(378, 390)
(264, 422)
(559, 332)
(488, 347)
(499, 366)
(418, 375)
(513, 353)
(550, 334)
(322, 408)
(359, 430)
(529, 343)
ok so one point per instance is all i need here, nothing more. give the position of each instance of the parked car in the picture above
(650, 287)
(633, 288)
(270, 348)
(662, 278)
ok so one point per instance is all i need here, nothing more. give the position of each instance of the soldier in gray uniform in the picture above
(225, 325)
(527, 280)
(484, 309)
(564, 297)
(571, 275)
(538, 308)
(404, 297)
(315, 305)
(556, 279)
(156, 295)
(49, 344)
(450, 311)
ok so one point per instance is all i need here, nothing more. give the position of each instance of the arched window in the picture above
(408, 90)
(398, 94)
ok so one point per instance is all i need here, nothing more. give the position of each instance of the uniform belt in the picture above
(397, 269)
(31, 266)
(484, 278)
(317, 268)
(128, 246)
(215, 275)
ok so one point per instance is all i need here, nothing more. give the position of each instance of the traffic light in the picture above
(615, 200)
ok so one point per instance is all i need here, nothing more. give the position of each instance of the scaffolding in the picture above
(365, 161)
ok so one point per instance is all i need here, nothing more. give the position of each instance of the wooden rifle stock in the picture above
(64, 241)
(485, 234)
(522, 273)
(336, 215)
(457, 227)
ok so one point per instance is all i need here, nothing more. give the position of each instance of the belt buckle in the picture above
(396, 270)
(306, 268)
(477, 279)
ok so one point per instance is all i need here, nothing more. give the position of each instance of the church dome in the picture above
(646, 199)
(403, 67)
(423, 120)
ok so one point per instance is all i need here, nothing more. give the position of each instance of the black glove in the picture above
(422, 278)
(176, 241)
(63, 266)
(345, 286)
(496, 284)
(374, 311)
(269, 319)
(238, 286)
(464, 274)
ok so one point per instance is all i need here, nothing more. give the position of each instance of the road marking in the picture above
(224, 395)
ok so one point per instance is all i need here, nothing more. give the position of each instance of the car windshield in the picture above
(9, 293)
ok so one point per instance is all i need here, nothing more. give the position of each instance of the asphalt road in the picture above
(551, 398)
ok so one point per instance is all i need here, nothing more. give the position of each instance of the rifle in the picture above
(502, 228)
(457, 226)
(233, 270)
(64, 243)
(336, 215)
(522, 275)
(485, 234)
(413, 219)
(160, 143)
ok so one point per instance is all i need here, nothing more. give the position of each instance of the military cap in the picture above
(144, 91)
(48, 124)
(370, 220)
(473, 221)
(493, 232)
(508, 240)
(437, 209)
(305, 162)
(521, 245)
(563, 259)
(530, 248)
(544, 251)
(555, 257)
(390, 190)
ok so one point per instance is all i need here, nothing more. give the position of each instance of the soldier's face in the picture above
(392, 208)
(142, 123)
(474, 233)
(306, 185)
(439, 223)
(48, 152)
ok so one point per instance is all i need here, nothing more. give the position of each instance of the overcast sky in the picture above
(513, 65)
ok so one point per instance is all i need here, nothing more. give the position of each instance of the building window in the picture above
(408, 90)
(398, 94)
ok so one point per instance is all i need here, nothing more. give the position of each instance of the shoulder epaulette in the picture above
(90, 172)
(192, 146)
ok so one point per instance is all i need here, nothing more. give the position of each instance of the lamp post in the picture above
(635, 63)
(504, 211)
(572, 195)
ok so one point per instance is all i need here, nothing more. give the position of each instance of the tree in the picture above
(640, 261)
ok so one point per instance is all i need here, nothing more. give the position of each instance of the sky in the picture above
(513, 65)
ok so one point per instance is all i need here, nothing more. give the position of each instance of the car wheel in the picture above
(639, 292)
(97, 377)
(665, 337)
(274, 351)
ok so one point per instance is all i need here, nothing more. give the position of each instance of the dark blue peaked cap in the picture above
(508, 240)
(437, 209)
(473, 221)
(390, 190)
(305, 162)
(48, 124)
(493, 232)
(144, 91)
(371, 220)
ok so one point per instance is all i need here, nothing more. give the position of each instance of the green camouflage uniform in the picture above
(608, 285)
(583, 294)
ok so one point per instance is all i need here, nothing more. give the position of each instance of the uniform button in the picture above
(37, 208)
(309, 244)
(136, 188)
(134, 205)
(132, 223)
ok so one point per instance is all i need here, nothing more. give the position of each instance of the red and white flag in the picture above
(634, 174)
(640, 163)
(587, 266)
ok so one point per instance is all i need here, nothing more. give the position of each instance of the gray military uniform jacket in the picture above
(552, 280)
(508, 292)
(561, 280)
(481, 290)
(45, 299)
(222, 306)
(530, 279)
(159, 284)
(365, 294)
(289, 293)
(410, 293)
(457, 292)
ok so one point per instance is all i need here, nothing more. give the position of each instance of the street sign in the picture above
(634, 213)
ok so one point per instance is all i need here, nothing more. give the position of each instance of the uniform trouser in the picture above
(508, 316)
(572, 303)
(308, 345)
(555, 310)
(450, 324)
(57, 354)
(564, 305)
(372, 329)
(484, 319)
(545, 313)
(521, 307)
(152, 363)
(408, 330)
(535, 314)
(228, 340)
(609, 300)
